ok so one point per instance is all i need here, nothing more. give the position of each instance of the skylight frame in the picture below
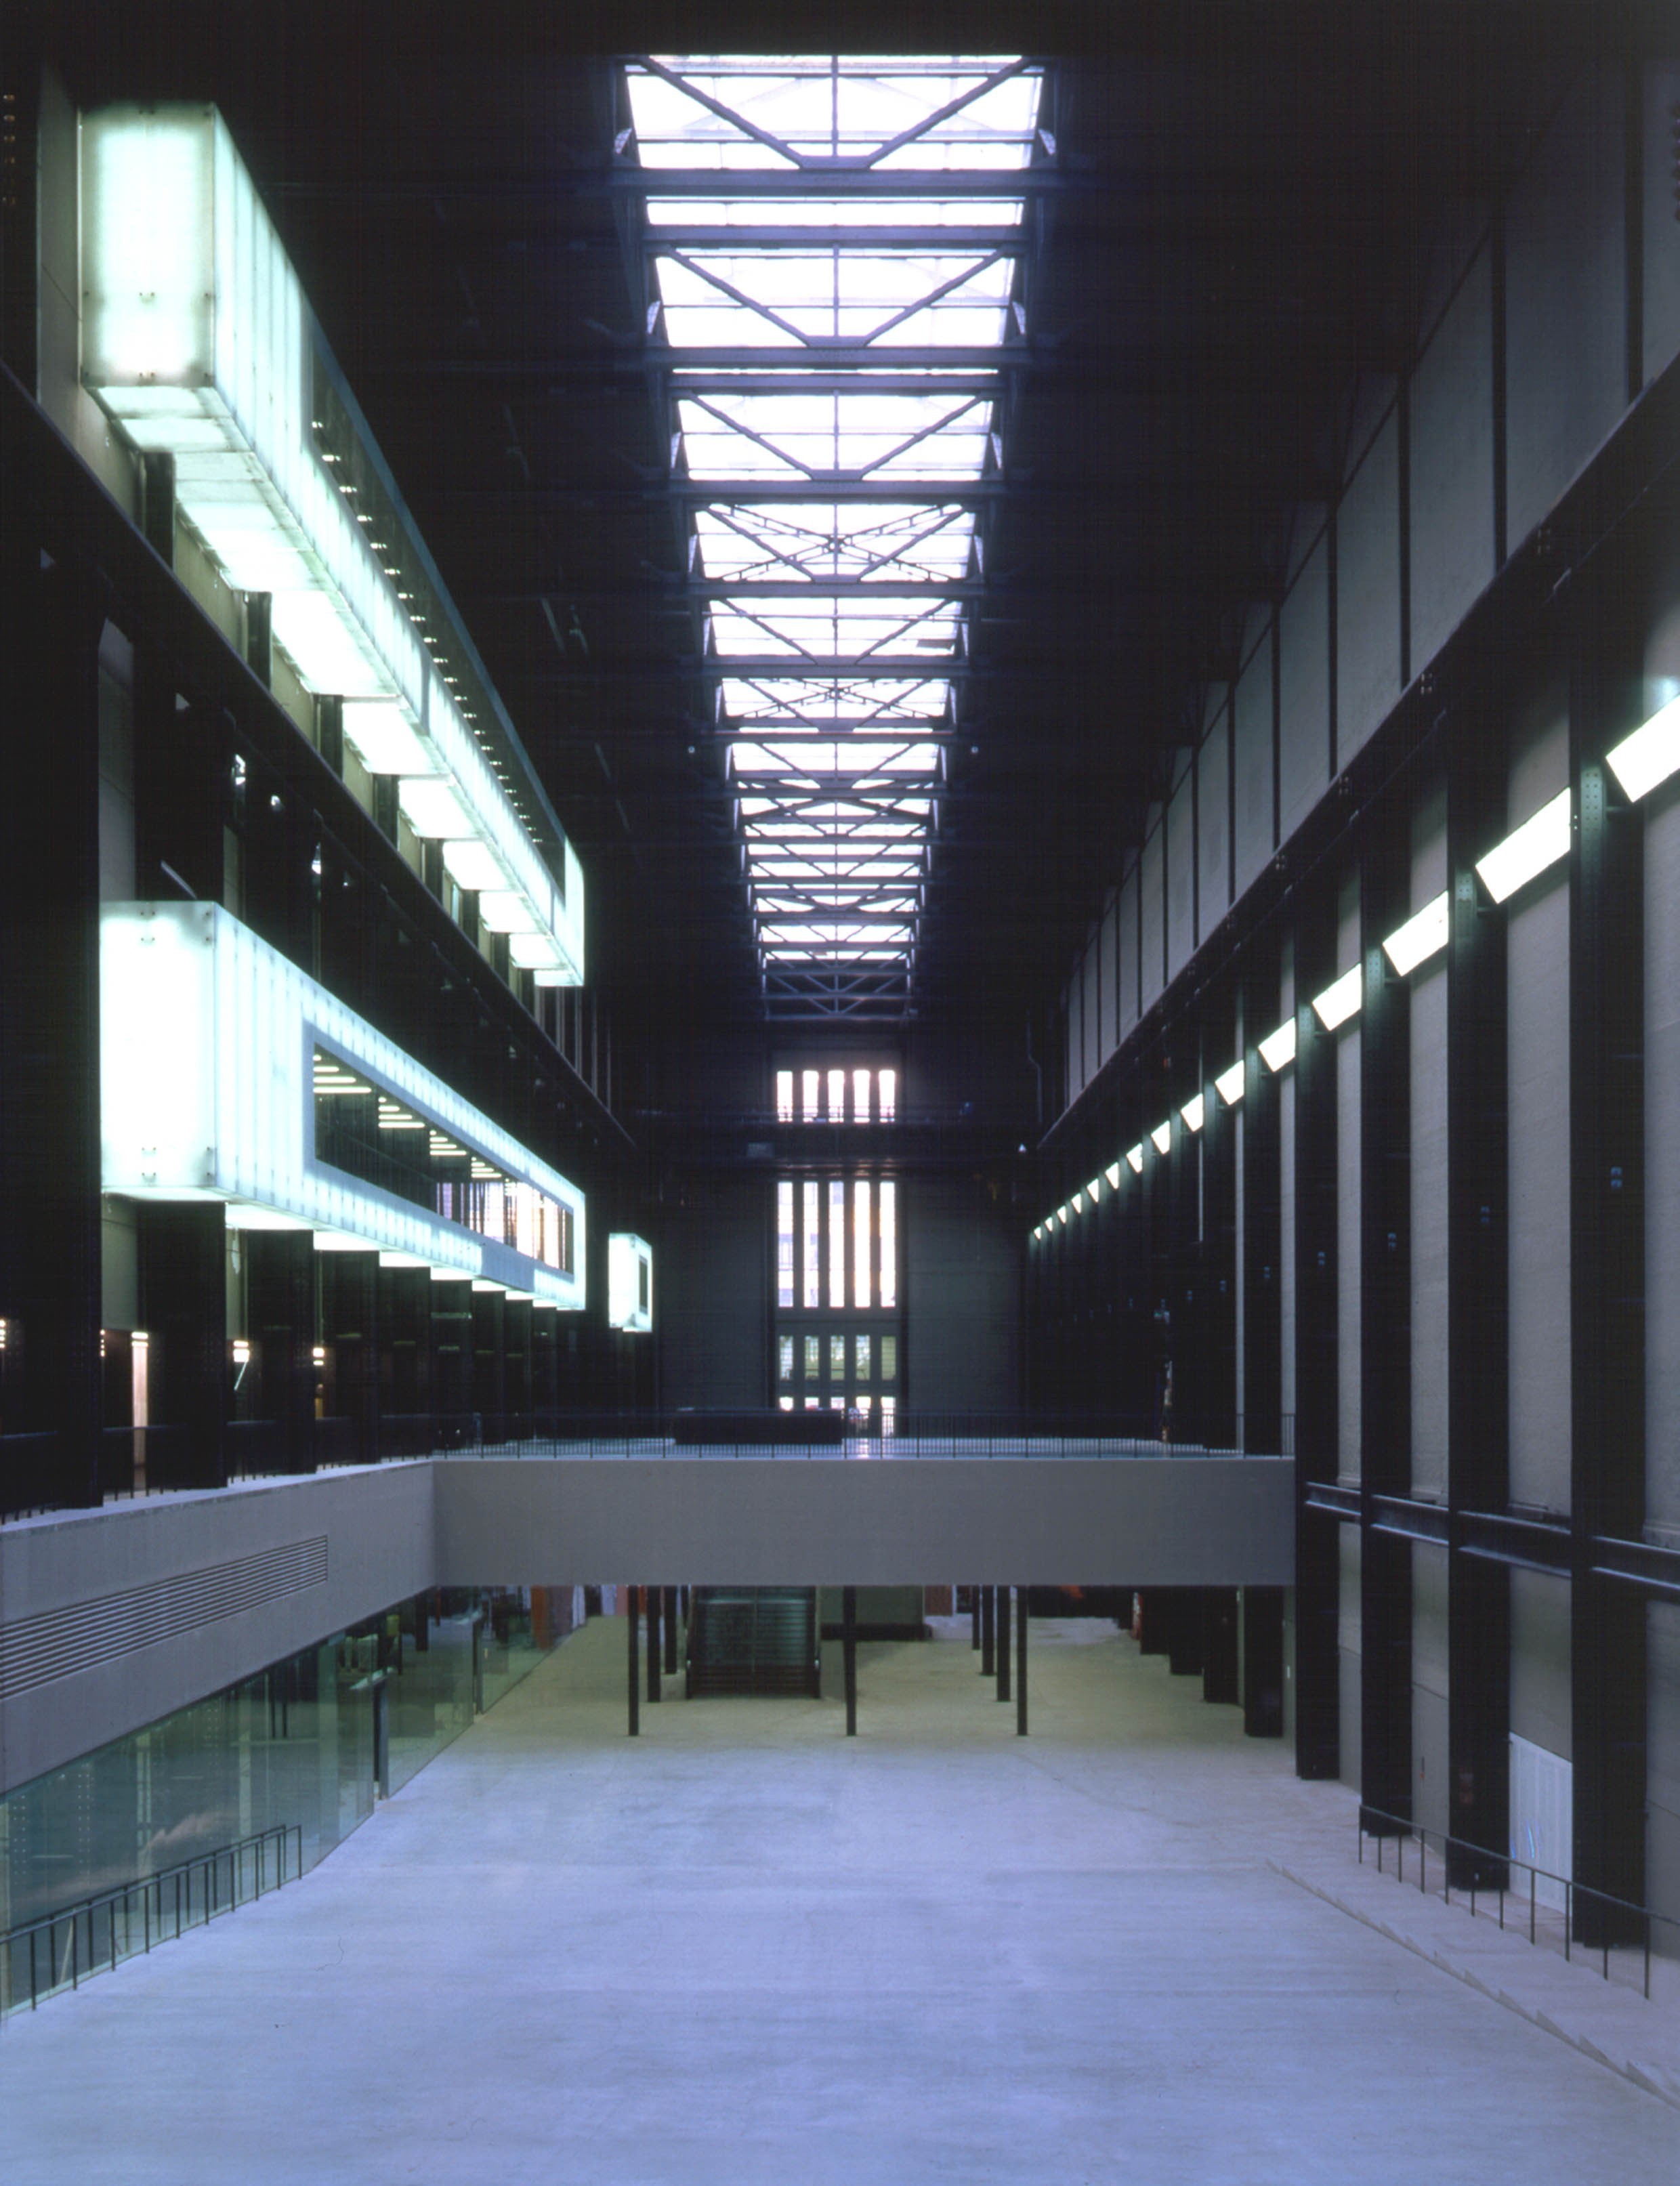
(804, 462)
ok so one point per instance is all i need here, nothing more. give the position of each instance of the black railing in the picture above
(1589, 1921)
(62, 1949)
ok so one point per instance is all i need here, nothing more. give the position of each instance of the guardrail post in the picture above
(1021, 1662)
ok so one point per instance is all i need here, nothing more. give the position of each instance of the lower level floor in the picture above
(743, 1946)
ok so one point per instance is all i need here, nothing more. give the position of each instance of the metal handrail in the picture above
(1399, 1829)
(161, 1906)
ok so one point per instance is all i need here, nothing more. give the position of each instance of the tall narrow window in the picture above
(784, 1245)
(813, 1255)
(836, 1244)
(861, 1286)
(810, 1088)
(860, 1096)
(784, 1097)
(836, 1096)
(887, 1090)
(889, 1243)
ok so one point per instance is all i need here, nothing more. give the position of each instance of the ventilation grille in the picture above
(59, 1642)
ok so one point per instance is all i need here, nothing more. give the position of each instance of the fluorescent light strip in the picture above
(1134, 1159)
(1230, 1083)
(1112, 1173)
(1421, 937)
(1342, 1000)
(1160, 1138)
(1528, 849)
(1195, 1113)
(1651, 754)
(1278, 1048)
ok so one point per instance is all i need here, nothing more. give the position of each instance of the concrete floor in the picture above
(744, 1949)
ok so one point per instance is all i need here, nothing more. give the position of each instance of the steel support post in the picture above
(632, 1656)
(1478, 1402)
(1607, 1247)
(1318, 1752)
(1258, 1124)
(670, 1631)
(849, 1599)
(1003, 1643)
(655, 1599)
(1384, 1360)
(987, 1641)
(49, 1022)
(1021, 1662)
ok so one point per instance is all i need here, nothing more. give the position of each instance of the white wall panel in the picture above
(1255, 840)
(1368, 595)
(1452, 512)
(1130, 1006)
(1213, 825)
(1565, 312)
(1180, 877)
(1662, 258)
(1303, 693)
(1152, 878)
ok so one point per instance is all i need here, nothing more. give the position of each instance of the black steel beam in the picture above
(698, 235)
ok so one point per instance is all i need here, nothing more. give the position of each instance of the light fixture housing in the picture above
(1134, 1159)
(1195, 1113)
(1230, 1083)
(1528, 850)
(1160, 1138)
(1651, 755)
(1277, 1050)
(1112, 1173)
(1424, 935)
(1342, 999)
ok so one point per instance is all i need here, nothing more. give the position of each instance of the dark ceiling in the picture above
(1241, 227)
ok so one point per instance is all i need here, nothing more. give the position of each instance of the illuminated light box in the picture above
(1134, 1159)
(1640, 762)
(1528, 850)
(199, 341)
(630, 1281)
(1094, 1190)
(1278, 1048)
(1229, 1085)
(1061, 1215)
(1342, 999)
(1423, 936)
(1078, 1202)
(1195, 1113)
(1112, 1173)
(1160, 1138)
(208, 1092)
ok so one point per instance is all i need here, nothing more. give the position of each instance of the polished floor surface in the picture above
(744, 1948)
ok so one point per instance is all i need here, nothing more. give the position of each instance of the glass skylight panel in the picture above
(796, 280)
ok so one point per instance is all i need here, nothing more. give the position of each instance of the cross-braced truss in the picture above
(829, 376)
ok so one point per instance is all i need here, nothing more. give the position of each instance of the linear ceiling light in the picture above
(1651, 754)
(1112, 1173)
(1195, 1113)
(1160, 1138)
(1134, 1159)
(1528, 849)
(1278, 1048)
(1340, 999)
(1230, 1083)
(1420, 938)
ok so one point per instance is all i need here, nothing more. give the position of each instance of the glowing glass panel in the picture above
(889, 1244)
